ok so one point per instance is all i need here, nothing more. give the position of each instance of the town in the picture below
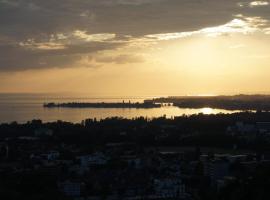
(224, 156)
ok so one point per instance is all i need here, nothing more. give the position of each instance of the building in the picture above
(93, 159)
(169, 187)
(69, 188)
(43, 132)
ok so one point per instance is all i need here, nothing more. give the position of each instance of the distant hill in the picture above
(236, 102)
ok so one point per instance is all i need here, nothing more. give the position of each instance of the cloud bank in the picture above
(38, 34)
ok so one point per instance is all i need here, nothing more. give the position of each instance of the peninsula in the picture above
(123, 104)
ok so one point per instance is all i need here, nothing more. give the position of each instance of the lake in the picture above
(25, 107)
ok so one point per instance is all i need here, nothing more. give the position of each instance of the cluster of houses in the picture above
(250, 128)
(124, 170)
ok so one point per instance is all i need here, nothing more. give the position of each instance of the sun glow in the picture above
(207, 111)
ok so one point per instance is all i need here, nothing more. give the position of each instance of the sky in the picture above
(135, 47)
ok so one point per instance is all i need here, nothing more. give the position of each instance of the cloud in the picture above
(38, 34)
(253, 4)
(120, 59)
(240, 25)
(41, 56)
(42, 45)
(258, 3)
(101, 37)
(129, 2)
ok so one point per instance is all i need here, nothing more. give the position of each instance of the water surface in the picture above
(25, 107)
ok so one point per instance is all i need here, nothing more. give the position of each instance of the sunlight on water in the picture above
(207, 111)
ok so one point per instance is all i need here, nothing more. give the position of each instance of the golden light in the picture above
(207, 111)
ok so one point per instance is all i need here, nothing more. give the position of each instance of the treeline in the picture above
(194, 130)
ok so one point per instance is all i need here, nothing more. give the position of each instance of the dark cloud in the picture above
(38, 20)
(15, 57)
(134, 17)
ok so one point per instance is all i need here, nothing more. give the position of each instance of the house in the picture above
(43, 132)
(70, 188)
(169, 187)
(53, 155)
(237, 158)
(245, 128)
(93, 159)
(216, 169)
(133, 161)
(50, 156)
(263, 127)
